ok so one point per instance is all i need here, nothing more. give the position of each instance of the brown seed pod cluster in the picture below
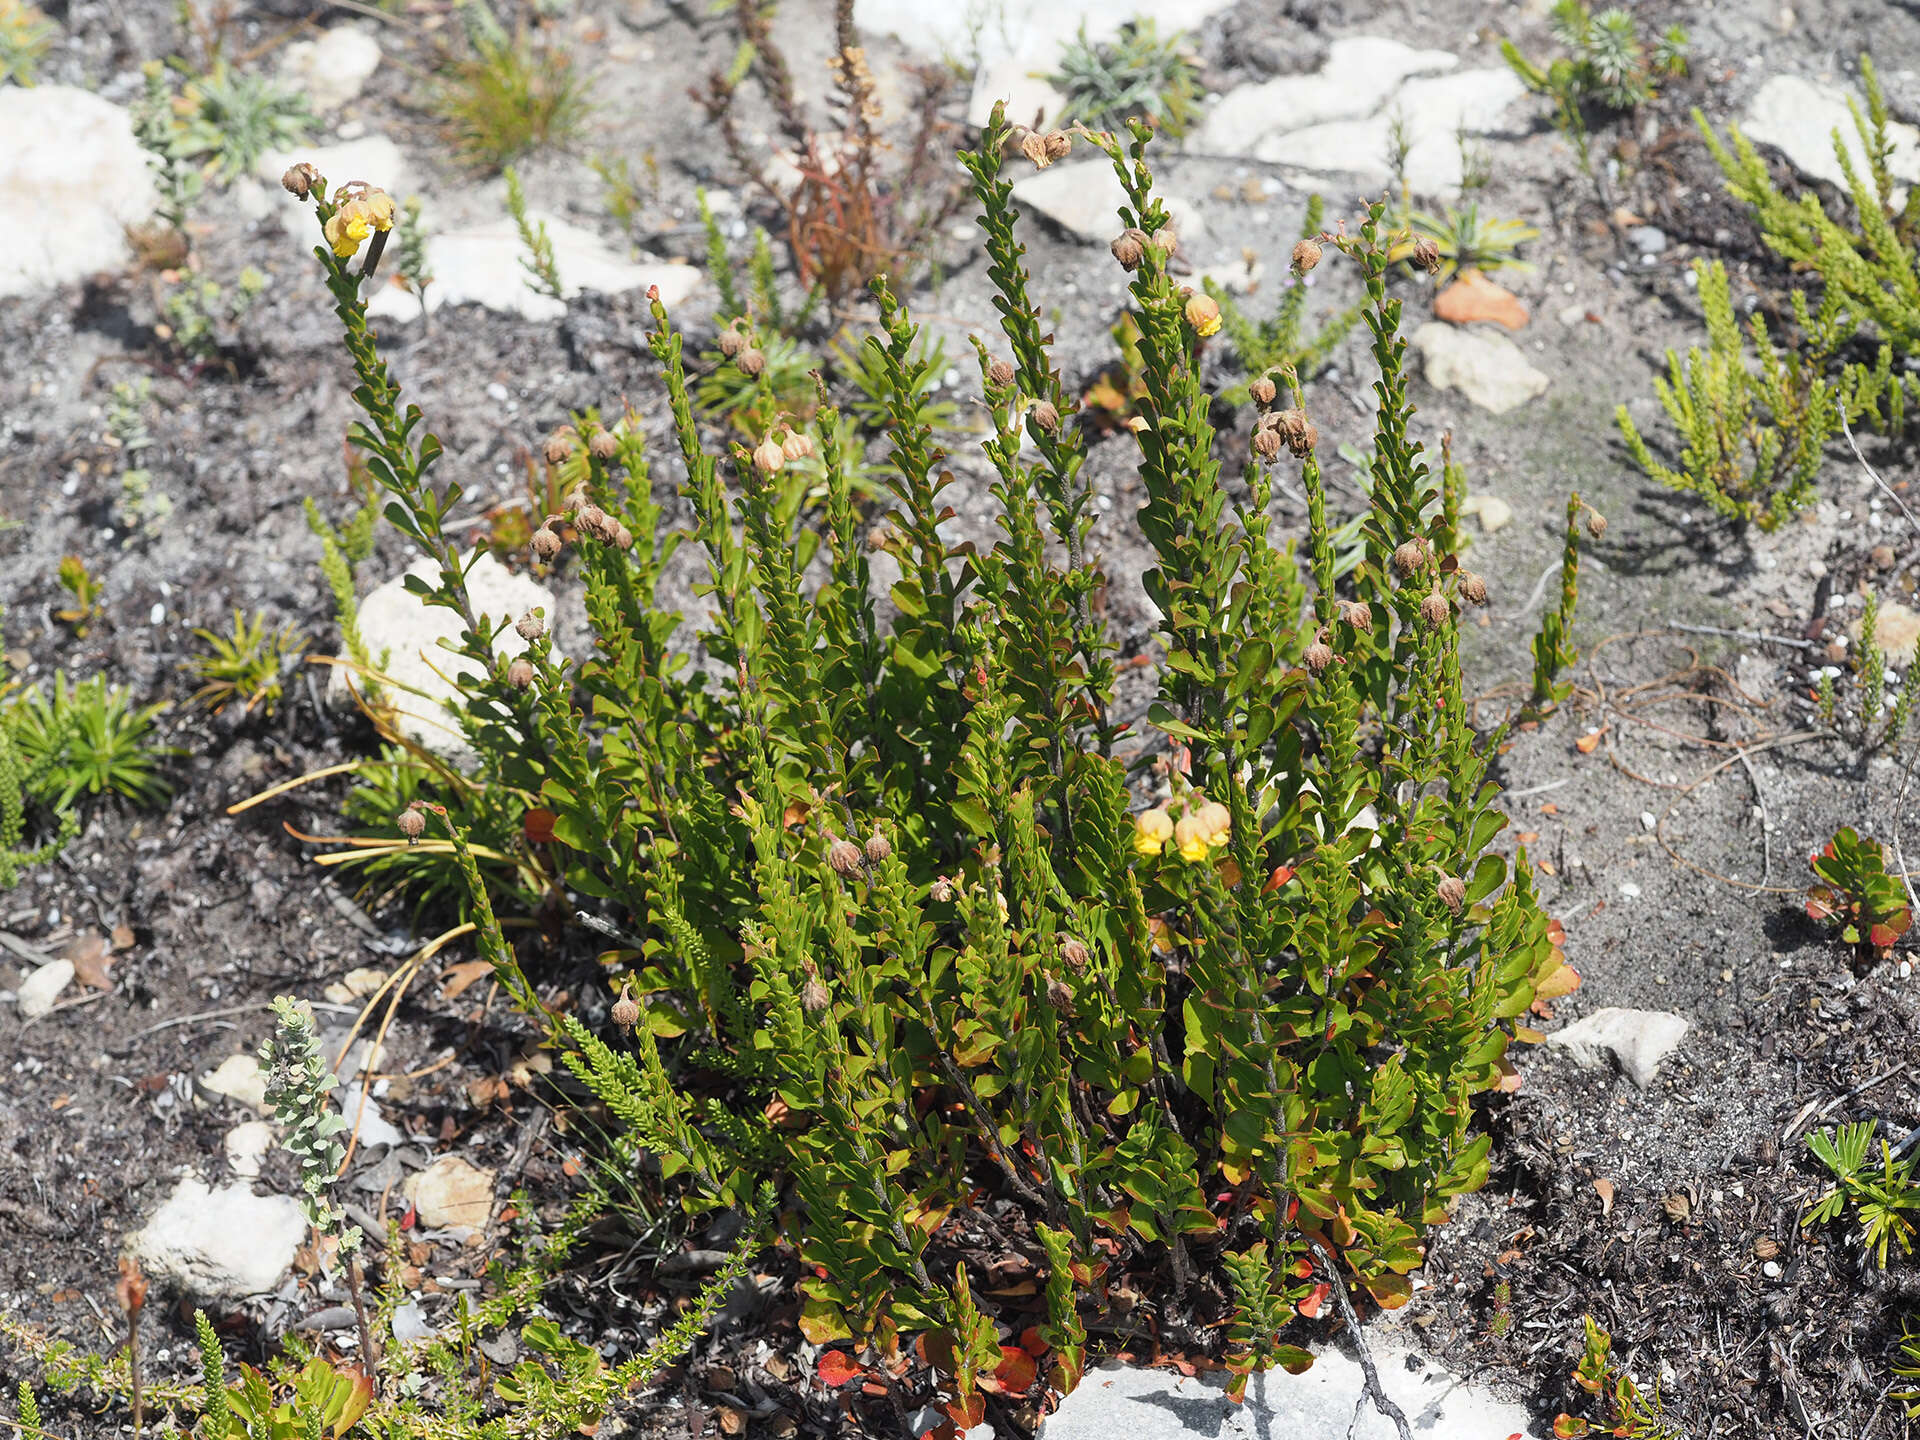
(1434, 609)
(1130, 248)
(1306, 255)
(530, 626)
(1043, 150)
(1411, 555)
(1452, 891)
(411, 823)
(845, 858)
(1263, 391)
(1473, 589)
(1356, 613)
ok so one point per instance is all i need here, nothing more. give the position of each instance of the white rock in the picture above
(1799, 117)
(1360, 72)
(1327, 1402)
(1084, 197)
(247, 1144)
(1434, 110)
(358, 1108)
(1495, 514)
(39, 991)
(1016, 80)
(482, 265)
(238, 1078)
(978, 35)
(451, 1192)
(1489, 370)
(374, 159)
(73, 177)
(1637, 1039)
(332, 69)
(220, 1244)
(410, 1324)
(407, 631)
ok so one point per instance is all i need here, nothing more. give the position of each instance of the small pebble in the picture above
(1630, 890)
(1647, 239)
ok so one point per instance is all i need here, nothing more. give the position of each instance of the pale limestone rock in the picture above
(333, 69)
(73, 179)
(1084, 197)
(40, 991)
(451, 1192)
(1489, 370)
(1799, 118)
(1637, 1040)
(220, 1244)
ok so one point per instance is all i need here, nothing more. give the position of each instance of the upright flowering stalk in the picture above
(297, 1084)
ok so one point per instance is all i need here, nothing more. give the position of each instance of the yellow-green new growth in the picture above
(1752, 434)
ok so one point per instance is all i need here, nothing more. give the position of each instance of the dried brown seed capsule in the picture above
(621, 537)
(1318, 656)
(559, 446)
(1164, 239)
(878, 848)
(1472, 588)
(731, 342)
(1000, 372)
(845, 858)
(797, 446)
(1298, 431)
(603, 445)
(1059, 145)
(1263, 390)
(768, 457)
(1452, 891)
(1130, 248)
(1267, 443)
(1046, 416)
(1596, 523)
(412, 824)
(1034, 147)
(520, 674)
(1306, 255)
(593, 520)
(1357, 613)
(1434, 609)
(1410, 556)
(530, 626)
(814, 996)
(751, 360)
(626, 1013)
(1073, 954)
(546, 544)
(1426, 255)
(1060, 995)
(300, 180)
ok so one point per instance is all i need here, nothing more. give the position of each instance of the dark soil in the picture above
(1675, 849)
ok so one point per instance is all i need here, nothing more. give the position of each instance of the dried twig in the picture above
(1338, 1285)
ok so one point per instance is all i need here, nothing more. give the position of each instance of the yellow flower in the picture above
(357, 218)
(1216, 824)
(1203, 314)
(1151, 831)
(1190, 836)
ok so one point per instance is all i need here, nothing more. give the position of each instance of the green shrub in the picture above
(1881, 1197)
(909, 934)
(88, 739)
(1867, 269)
(1278, 343)
(1608, 68)
(1107, 83)
(1753, 434)
(1857, 895)
(1468, 242)
(232, 118)
(25, 37)
(511, 95)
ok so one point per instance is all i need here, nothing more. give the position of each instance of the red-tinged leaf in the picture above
(1556, 934)
(1883, 935)
(1015, 1373)
(945, 1430)
(836, 1368)
(1820, 907)
(539, 826)
(1293, 1360)
(1390, 1292)
(1310, 1306)
(1303, 1269)
(1567, 1427)
(1032, 1342)
(967, 1413)
(872, 1387)
(1587, 744)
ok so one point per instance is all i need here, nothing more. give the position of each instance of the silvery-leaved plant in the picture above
(297, 1086)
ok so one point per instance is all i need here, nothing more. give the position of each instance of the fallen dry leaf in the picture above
(92, 958)
(1766, 1247)
(1474, 297)
(123, 936)
(1678, 1207)
(1604, 1188)
(456, 978)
